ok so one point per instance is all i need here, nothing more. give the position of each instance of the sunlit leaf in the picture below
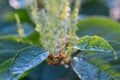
(93, 43)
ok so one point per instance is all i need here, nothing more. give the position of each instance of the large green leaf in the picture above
(26, 60)
(5, 70)
(93, 43)
(99, 25)
(9, 47)
(87, 71)
(101, 61)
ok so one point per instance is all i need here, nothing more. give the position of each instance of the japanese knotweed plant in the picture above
(56, 24)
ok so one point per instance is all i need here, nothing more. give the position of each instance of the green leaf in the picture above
(87, 71)
(99, 25)
(13, 30)
(93, 43)
(5, 70)
(104, 61)
(9, 47)
(26, 60)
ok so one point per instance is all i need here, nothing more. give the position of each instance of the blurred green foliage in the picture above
(94, 25)
(99, 25)
(94, 7)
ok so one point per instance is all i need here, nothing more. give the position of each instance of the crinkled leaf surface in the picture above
(9, 47)
(104, 62)
(5, 70)
(26, 60)
(93, 43)
(87, 71)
